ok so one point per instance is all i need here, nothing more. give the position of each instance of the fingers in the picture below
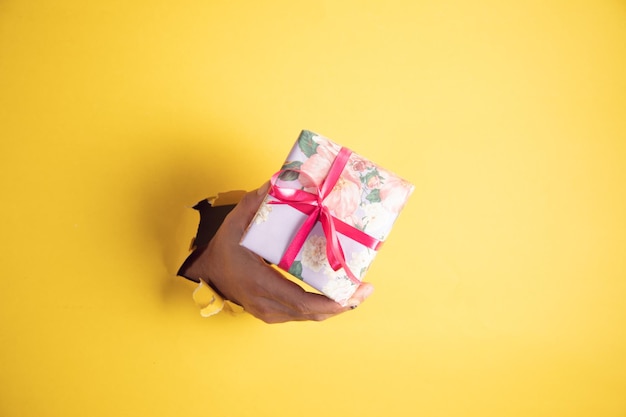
(303, 305)
(271, 310)
(314, 307)
(291, 302)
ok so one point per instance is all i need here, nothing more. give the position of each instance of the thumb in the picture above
(262, 190)
(255, 197)
(250, 203)
(365, 290)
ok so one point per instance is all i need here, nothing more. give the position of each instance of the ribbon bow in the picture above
(313, 205)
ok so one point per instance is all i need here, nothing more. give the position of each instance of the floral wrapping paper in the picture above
(365, 197)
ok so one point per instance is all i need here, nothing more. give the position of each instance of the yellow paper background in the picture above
(499, 293)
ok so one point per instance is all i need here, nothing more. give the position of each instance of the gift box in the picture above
(326, 214)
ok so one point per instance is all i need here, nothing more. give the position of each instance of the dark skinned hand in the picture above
(245, 279)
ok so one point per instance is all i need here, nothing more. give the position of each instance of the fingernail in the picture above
(263, 189)
(353, 303)
(367, 291)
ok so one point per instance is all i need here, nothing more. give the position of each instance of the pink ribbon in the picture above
(313, 205)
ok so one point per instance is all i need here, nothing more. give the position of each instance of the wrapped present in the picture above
(326, 214)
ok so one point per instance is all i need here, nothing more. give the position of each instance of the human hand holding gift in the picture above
(321, 218)
(244, 278)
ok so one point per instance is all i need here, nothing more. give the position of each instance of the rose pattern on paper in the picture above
(314, 253)
(375, 217)
(339, 289)
(394, 194)
(316, 167)
(360, 261)
(345, 198)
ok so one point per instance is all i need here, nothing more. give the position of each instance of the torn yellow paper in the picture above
(227, 198)
(209, 301)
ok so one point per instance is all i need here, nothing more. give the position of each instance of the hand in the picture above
(244, 278)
